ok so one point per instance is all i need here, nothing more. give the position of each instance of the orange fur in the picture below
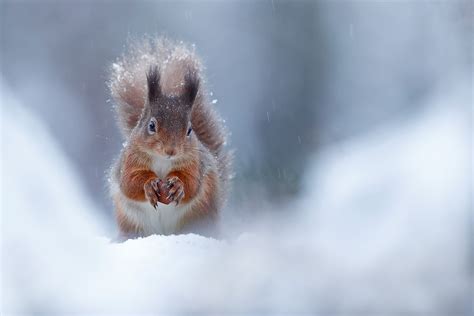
(135, 173)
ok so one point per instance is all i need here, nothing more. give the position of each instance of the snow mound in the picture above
(381, 228)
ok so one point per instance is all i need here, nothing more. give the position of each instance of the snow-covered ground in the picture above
(382, 227)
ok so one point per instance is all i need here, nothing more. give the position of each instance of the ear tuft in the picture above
(191, 87)
(153, 79)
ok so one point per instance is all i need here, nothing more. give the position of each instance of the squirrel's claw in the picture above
(175, 189)
(156, 186)
(180, 196)
(152, 192)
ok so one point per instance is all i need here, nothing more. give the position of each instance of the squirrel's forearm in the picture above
(205, 207)
(132, 182)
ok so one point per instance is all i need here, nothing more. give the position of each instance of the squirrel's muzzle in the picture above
(170, 152)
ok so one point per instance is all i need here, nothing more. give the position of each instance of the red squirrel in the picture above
(172, 175)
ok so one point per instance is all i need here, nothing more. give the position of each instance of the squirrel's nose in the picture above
(170, 151)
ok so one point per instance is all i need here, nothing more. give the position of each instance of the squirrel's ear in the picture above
(191, 87)
(153, 79)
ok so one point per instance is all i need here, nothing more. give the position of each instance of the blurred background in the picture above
(301, 84)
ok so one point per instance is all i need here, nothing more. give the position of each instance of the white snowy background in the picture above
(381, 227)
(352, 124)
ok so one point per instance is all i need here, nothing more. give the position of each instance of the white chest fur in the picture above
(161, 166)
(162, 220)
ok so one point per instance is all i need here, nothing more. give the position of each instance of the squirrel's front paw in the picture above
(152, 191)
(175, 188)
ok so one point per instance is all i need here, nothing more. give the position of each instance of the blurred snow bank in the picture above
(390, 212)
(382, 228)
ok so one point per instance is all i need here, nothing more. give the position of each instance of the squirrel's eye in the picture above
(152, 126)
(189, 131)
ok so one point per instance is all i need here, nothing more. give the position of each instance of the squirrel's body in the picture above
(172, 174)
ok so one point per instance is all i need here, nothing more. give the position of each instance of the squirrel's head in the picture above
(165, 126)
